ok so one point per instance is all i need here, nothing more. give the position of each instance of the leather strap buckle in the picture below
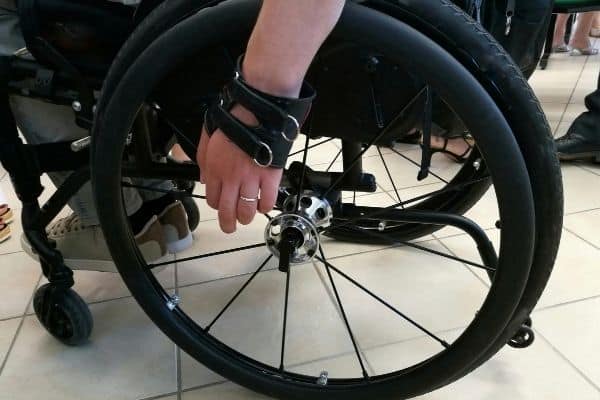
(279, 120)
(269, 155)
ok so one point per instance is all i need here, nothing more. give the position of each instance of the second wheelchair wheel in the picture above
(334, 320)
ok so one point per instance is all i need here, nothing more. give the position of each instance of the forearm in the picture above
(284, 42)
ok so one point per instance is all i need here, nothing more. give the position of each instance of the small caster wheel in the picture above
(64, 314)
(192, 211)
(523, 338)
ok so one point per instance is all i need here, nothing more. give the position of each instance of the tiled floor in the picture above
(129, 358)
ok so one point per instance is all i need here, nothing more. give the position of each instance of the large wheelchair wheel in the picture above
(268, 359)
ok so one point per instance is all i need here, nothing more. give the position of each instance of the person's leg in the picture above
(582, 141)
(595, 31)
(558, 43)
(41, 122)
(580, 40)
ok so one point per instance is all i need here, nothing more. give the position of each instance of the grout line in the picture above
(204, 386)
(335, 305)
(11, 252)
(582, 211)
(14, 339)
(158, 397)
(583, 239)
(566, 303)
(485, 284)
(562, 117)
(10, 318)
(587, 168)
(178, 372)
(561, 355)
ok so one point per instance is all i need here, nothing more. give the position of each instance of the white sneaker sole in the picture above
(174, 244)
(81, 264)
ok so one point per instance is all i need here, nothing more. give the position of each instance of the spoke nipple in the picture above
(323, 378)
(173, 302)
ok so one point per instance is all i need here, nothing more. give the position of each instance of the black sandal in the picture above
(458, 158)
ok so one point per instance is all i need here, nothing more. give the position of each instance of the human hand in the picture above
(230, 175)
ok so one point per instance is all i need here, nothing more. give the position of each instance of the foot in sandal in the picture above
(457, 149)
(4, 231)
(6, 214)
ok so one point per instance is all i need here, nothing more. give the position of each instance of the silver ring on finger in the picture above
(249, 199)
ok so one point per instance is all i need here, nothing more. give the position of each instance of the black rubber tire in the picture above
(117, 116)
(67, 318)
(192, 211)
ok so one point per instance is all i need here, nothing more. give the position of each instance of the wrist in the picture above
(272, 80)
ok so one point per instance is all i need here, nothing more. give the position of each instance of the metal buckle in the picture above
(268, 163)
(297, 128)
(509, 17)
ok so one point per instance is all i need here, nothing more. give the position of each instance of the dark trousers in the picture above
(588, 123)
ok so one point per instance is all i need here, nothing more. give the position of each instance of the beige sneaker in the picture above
(175, 227)
(84, 247)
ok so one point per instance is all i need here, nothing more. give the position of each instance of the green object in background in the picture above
(571, 6)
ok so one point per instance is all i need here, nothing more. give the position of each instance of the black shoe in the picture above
(579, 145)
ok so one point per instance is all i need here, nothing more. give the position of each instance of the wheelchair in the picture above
(352, 192)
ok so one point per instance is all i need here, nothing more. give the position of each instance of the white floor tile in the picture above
(228, 391)
(576, 274)
(20, 276)
(574, 330)
(127, 358)
(8, 329)
(530, 374)
(585, 225)
(577, 183)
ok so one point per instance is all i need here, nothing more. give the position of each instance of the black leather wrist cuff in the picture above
(280, 119)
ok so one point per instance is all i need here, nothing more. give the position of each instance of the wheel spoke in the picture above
(285, 314)
(343, 312)
(303, 175)
(239, 292)
(422, 248)
(334, 160)
(383, 132)
(214, 254)
(311, 146)
(418, 165)
(386, 304)
(406, 202)
(177, 193)
(176, 129)
(389, 174)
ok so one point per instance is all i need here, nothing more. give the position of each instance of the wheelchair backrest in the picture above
(88, 33)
